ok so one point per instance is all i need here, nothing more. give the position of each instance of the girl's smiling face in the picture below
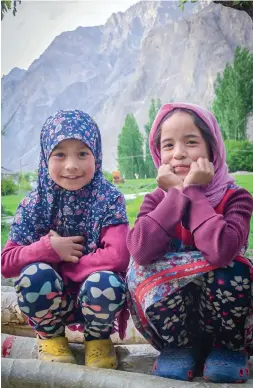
(181, 143)
(71, 164)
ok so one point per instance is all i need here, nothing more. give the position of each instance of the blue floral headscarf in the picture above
(83, 212)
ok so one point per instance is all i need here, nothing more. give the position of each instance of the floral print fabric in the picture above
(83, 212)
(165, 280)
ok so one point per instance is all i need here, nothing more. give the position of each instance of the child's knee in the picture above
(104, 285)
(35, 275)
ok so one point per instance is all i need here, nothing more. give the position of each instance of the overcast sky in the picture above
(26, 36)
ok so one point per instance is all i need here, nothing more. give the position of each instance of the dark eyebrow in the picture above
(57, 148)
(191, 135)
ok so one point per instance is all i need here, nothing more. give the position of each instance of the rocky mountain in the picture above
(151, 50)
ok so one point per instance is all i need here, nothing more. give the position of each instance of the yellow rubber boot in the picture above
(100, 354)
(55, 350)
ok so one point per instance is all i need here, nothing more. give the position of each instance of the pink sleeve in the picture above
(220, 237)
(15, 257)
(150, 237)
(113, 256)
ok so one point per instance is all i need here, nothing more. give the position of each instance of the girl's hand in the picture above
(166, 178)
(201, 173)
(68, 248)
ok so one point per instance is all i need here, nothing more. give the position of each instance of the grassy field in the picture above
(4, 234)
(10, 203)
(134, 186)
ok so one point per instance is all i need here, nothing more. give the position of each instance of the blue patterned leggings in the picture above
(42, 297)
(211, 312)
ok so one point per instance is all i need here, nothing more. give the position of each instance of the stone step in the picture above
(137, 360)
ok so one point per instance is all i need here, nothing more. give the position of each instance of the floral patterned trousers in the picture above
(212, 310)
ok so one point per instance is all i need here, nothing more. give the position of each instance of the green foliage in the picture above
(4, 232)
(8, 186)
(233, 101)
(239, 155)
(150, 169)
(239, 5)
(108, 176)
(7, 5)
(25, 181)
(183, 2)
(130, 149)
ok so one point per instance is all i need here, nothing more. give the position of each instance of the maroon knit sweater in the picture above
(218, 237)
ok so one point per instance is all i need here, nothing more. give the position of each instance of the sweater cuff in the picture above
(48, 251)
(201, 209)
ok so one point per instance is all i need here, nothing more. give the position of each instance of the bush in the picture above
(24, 181)
(5, 229)
(9, 187)
(108, 176)
(239, 155)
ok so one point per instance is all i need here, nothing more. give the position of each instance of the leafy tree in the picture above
(24, 179)
(233, 101)
(130, 149)
(7, 5)
(239, 155)
(150, 169)
(246, 6)
(8, 186)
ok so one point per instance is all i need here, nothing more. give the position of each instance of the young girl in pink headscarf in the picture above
(190, 284)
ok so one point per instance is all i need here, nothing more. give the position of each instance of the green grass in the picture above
(10, 203)
(245, 181)
(132, 186)
(4, 234)
(133, 207)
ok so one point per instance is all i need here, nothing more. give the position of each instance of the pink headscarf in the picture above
(216, 190)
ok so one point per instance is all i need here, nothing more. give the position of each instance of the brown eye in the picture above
(82, 154)
(191, 142)
(169, 145)
(59, 155)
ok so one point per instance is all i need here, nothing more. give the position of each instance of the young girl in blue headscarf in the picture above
(67, 245)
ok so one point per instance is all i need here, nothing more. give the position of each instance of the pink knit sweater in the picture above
(112, 256)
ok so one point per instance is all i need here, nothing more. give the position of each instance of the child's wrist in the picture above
(179, 187)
